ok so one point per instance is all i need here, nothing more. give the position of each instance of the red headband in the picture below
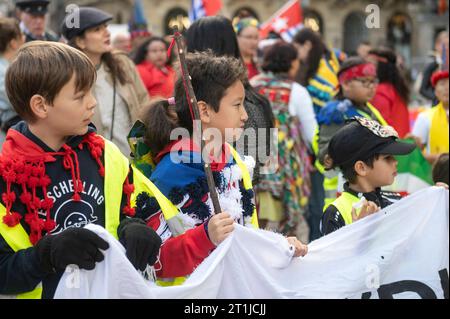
(358, 71)
(437, 76)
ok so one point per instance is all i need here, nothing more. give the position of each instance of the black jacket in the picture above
(20, 271)
(261, 119)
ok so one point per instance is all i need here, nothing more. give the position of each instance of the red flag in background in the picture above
(212, 7)
(287, 21)
(204, 8)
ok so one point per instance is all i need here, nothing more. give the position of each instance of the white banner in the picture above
(400, 252)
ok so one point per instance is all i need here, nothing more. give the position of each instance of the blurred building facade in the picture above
(409, 26)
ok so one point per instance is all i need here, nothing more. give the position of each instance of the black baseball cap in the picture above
(361, 138)
(35, 7)
(88, 18)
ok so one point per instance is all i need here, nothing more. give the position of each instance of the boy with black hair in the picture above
(191, 233)
(364, 151)
(57, 175)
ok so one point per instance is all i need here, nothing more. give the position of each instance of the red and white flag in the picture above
(204, 8)
(286, 22)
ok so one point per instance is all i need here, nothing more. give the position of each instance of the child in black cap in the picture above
(364, 151)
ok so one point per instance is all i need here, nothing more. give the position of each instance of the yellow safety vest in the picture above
(116, 171)
(330, 185)
(344, 205)
(254, 220)
(438, 140)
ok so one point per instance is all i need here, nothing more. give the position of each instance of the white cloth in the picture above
(403, 250)
(122, 120)
(113, 278)
(301, 105)
(421, 129)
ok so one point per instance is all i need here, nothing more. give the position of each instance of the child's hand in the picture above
(300, 249)
(77, 246)
(141, 243)
(220, 227)
(416, 139)
(440, 184)
(368, 208)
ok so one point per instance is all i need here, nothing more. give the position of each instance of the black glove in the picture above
(141, 242)
(76, 246)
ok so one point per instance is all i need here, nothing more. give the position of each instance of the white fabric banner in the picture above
(400, 252)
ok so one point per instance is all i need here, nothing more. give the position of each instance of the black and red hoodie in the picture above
(47, 193)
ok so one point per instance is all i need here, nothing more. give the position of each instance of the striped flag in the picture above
(204, 8)
(286, 22)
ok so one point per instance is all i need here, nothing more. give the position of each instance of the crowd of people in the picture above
(87, 138)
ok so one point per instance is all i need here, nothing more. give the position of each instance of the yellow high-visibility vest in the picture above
(247, 181)
(344, 205)
(116, 171)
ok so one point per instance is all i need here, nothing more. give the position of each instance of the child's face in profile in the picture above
(383, 172)
(71, 111)
(360, 90)
(231, 118)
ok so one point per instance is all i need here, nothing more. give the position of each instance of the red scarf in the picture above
(23, 162)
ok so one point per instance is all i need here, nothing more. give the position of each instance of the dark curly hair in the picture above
(278, 58)
(211, 77)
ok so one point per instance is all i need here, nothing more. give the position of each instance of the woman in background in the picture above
(247, 31)
(283, 194)
(392, 95)
(119, 90)
(154, 67)
(318, 74)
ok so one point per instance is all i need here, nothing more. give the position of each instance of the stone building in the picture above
(408, 25)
